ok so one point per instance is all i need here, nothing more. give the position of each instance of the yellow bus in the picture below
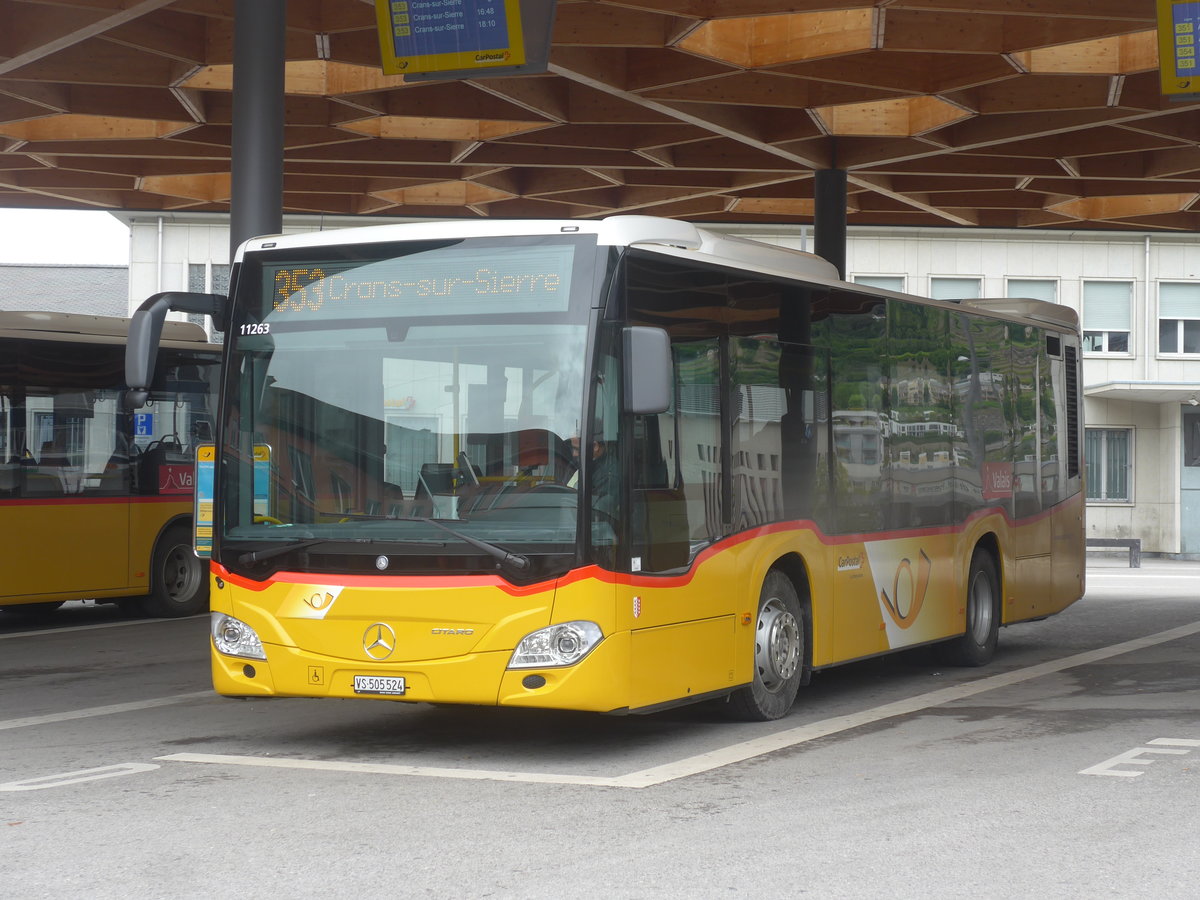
(96, 500)
(619, 465)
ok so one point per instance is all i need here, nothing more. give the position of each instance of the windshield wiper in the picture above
(516, 560)
(259, 555)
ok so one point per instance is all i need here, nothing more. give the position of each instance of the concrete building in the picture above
(1138, 294)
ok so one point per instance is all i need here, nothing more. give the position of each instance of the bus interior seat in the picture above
(540, 448)
(159, 453)
(10, 475)
(435, 479)
(53, 473)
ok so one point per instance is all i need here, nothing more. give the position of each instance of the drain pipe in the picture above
(159, 280)
(1147, 342)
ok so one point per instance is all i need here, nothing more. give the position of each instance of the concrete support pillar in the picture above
(256, 205)
(829, 218)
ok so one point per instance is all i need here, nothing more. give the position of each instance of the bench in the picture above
(1133, 545)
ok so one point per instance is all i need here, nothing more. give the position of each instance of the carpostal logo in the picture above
(908, 591)
(498, 56)
(849, 563)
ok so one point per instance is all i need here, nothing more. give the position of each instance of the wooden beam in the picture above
(72, 30)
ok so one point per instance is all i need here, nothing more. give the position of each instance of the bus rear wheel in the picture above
(977, 646)
(778, 653)
(179, 578)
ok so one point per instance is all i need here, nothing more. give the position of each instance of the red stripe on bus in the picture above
(385, 581)
(594, 572)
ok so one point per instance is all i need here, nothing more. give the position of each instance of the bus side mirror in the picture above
(145, 332)
(648, 372)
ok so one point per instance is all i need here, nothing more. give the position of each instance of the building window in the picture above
(1179, 317)
(887, 282)
(208, 278)
(1033, 288)
(1109, 464)
(941, 288)
(1191, 438)
(1106, 316)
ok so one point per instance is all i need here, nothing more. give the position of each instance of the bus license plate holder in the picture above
(386, 685)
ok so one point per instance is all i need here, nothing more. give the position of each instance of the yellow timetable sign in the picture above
(1178, 29)
(449, 35)
(202, 512)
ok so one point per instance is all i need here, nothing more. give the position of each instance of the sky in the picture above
(62, 236)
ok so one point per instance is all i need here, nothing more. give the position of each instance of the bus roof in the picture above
(76, 326)
(670, 237)
(650, 232)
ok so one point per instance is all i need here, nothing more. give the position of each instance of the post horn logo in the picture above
(908, 593)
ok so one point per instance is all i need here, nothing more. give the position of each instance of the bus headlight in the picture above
(234, 637)
(558, 645)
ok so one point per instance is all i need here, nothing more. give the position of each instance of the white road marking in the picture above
(1135, 575)
(1130, 758)
(111, 709)
(82, 775)
(1175, 742)
(52, 631)
(271, 762)
(725, 756)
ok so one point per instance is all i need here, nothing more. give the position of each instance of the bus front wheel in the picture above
(778, 653)
(179, 580)
(977, 646)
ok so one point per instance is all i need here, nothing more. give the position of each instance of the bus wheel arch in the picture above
(178, 578)
(983, 609)
(782, 644)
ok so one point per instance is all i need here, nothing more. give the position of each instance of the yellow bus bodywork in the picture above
(667, 639)
(68, 548)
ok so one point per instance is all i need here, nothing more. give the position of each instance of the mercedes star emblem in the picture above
(379, 641)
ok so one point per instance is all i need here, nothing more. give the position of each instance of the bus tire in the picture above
(778, 653)
(977, 646)
(179, 578)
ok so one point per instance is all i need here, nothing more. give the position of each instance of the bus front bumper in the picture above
(597, 683)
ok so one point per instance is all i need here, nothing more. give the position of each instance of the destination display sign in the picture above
(441, 35)
(446, 281)
(1178, 29)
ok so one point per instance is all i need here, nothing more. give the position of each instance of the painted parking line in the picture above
(109, 710)
(725, 756)
(321, 765)
(1141, 574)
(77, 777)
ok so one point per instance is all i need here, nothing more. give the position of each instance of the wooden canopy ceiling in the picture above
(999, 113)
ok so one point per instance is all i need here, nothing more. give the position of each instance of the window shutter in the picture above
(1106, 305)
(1178, 300)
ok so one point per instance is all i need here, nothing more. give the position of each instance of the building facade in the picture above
(1138, 295)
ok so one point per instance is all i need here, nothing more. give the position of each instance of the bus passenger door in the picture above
(681, 611)
(67, 528)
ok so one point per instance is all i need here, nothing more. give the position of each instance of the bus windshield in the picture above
(378, 389)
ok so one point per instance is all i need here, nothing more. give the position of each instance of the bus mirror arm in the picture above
(648, 370)
(145, 332)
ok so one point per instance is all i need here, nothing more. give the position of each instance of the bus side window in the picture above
(660, 514)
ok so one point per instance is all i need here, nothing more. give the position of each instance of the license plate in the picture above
(379, 684)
